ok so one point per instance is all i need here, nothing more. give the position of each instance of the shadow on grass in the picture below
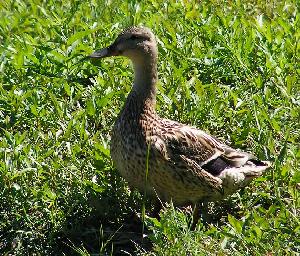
(112, 227)
(103, 237)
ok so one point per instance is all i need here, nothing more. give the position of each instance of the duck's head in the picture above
(136, 43)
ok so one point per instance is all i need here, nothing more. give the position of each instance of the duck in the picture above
(164, 158)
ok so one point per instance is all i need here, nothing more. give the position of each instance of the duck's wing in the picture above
(211, 159)
(176, 141)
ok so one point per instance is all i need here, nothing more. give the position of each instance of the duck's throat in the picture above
(145, 79)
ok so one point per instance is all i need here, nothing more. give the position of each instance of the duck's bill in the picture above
(105, 52)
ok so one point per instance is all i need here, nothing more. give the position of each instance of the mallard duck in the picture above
(165, 158)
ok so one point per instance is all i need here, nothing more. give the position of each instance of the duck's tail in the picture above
(237, 177)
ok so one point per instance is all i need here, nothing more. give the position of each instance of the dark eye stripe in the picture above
(135, 37)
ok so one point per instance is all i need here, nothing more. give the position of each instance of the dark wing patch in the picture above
(216, 166)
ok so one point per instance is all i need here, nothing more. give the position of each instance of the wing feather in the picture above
(214, 169)
(178, 142)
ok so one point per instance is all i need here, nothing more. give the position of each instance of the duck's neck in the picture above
(145, 79)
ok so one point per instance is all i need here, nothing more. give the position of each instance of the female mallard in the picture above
(182, 163)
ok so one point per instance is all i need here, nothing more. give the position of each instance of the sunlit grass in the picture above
(231, 69)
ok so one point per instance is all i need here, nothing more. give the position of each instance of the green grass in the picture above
(230, 68)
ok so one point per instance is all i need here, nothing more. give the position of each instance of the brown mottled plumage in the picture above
(185, 164)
